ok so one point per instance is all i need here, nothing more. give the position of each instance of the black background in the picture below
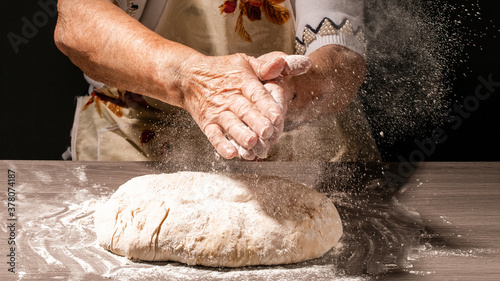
(39, 85)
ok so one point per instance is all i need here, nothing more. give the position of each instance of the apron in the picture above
(116, 125)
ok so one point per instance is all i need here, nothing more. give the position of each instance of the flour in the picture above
(45, 255)
(82, 216)
(43, 177)
(414, 49)
(172, 272)
(79, 172)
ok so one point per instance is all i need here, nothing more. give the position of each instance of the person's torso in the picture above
(219, 27)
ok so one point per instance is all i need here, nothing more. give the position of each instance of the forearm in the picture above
(113, 48)
(330, 85)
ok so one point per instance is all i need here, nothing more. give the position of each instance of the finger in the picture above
(261, 148)
(296, 65)
(216, 137)
(271, 55)
(267, 69)
(246, 154)
(278, 93)
(237, 130)
(249, 114)
(261, 99)
(278, 132)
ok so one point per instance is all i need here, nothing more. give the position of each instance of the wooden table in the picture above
(442, 223)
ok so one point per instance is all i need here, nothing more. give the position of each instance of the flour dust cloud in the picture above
(414, 51)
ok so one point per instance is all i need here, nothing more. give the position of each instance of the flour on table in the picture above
(217, 220)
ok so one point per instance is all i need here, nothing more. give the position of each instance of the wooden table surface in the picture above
(442, 223)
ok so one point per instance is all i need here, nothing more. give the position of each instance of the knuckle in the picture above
(257, 96)
(213, 134)
(227, 121)
(243, 109)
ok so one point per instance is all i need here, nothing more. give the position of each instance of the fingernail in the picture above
(247, 154)
(267, 132)
(231, 151)
(251, 141)
(261, 149)
(275, 117)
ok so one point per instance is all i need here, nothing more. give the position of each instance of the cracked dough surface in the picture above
(217, 220)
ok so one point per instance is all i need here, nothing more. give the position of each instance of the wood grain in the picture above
(458, 204)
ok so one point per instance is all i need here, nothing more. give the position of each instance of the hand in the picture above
(225, 96)
(280, 90)
(329, 86)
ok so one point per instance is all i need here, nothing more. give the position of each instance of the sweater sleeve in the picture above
(324, 22)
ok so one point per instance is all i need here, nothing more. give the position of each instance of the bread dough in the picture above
(217, 220)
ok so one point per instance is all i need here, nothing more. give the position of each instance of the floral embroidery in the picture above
(115, 106)
(115, 99)
(253, 10)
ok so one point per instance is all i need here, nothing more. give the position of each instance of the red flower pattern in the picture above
(228, 7)
(253, 9)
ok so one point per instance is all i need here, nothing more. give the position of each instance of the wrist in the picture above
(173, 66)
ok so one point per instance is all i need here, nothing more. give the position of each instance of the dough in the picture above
(217, 220)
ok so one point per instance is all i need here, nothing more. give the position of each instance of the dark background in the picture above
(39, 85)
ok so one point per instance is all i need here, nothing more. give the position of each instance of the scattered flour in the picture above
(45, 178)
(44, 254)
(79, 172)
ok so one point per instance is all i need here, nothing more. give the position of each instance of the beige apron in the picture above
(115, 125)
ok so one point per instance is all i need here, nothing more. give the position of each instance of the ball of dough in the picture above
(217, 220)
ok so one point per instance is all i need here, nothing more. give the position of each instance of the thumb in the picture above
(296, 65)
(268, 70)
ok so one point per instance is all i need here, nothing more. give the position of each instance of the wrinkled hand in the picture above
(226, 97)
(328, 87)
(281, 90)
(261, 148)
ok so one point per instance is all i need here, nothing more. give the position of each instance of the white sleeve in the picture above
(323, 22)
(148, 12)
